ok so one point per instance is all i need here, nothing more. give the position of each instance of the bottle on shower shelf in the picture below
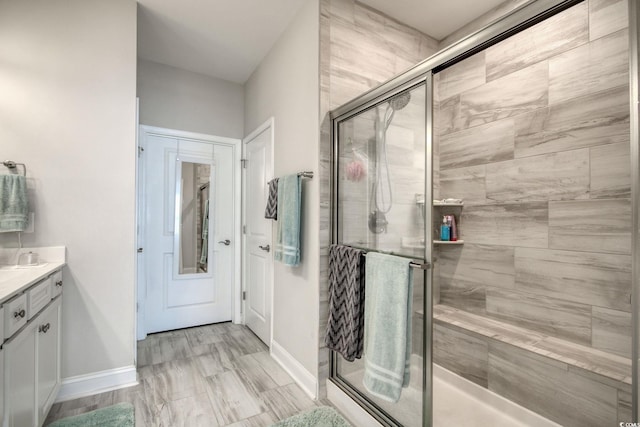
(453, 229)
(445, 229)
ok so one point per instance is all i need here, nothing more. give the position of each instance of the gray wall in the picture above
(174, 98)
(544, 171)
(533, 133)
(285, 86)
(68, 111)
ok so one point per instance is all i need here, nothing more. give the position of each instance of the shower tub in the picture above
(526, 319)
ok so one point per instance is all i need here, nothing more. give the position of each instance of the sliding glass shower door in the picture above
(380, 207)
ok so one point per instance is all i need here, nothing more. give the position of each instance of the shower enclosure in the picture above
(521, 132)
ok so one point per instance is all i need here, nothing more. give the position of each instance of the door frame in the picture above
(268, 124)
(144, 131)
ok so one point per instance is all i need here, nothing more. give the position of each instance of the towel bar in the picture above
(421, 266)
(306, 174)
(12, 165)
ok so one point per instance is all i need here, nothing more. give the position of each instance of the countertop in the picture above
(14, 280)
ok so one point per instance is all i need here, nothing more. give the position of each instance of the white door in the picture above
(184, 287)
(258, 259)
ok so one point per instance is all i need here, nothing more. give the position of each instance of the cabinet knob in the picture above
(20, 313)
(44, 328)
(59, 283)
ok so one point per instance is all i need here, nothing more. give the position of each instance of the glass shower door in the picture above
(380, 207)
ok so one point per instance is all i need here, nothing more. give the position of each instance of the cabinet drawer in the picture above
(56, 284)
(15, 315)
(38, 297)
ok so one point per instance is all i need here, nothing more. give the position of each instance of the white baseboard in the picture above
(304, 378)
(349, 408)
(97, 382)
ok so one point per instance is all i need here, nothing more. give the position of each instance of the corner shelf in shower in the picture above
(440, 204)
(448, 242)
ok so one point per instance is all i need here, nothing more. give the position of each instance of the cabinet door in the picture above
(20, 379)
(48, 359)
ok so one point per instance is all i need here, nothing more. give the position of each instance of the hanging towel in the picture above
(288, 231)
(387, 327)
(345, 327)
(14, 207)
(271, 210)
(205, 235)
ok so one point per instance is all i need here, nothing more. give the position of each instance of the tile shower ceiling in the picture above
(228, 38)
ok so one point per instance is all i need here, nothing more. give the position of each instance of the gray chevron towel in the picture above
(345, 328)
(271, 211)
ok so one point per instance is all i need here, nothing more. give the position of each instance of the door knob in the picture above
(265, 248)
(225, 242)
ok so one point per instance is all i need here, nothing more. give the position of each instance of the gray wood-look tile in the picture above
(591, 225)
(554, 176)
(227, 378)
(598, 365)
(461, 77)
(607, 16)
(554, 392)
(611, 331)
(488, 143)
(263, 420)
(552, 316)
(557, 34)
(464, 183)
(610, 171)
(505, 97)
(588, 278)
(523, 224)
(232, 399)
(591, 360)
(486, 265)
(447, 115)
(625, 406)
(593, 67)
(287, 400)
(192, 411)
(461, 353)
(596, 119)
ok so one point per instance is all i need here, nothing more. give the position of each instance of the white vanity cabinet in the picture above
(32, 355)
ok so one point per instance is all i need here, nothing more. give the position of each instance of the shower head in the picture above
(400, 101)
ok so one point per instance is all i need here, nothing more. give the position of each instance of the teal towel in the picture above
(14, 207)
(387, 325)
(288, 230)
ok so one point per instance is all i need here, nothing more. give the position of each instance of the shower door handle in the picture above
(265, 248)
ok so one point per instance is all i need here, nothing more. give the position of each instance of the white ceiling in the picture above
(221, 38)
(228, 38)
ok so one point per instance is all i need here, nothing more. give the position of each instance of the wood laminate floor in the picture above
(210, 376)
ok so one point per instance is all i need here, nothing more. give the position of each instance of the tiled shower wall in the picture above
(533, 134)
(359, 49)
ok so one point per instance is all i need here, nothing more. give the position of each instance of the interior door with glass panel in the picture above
(187, 285)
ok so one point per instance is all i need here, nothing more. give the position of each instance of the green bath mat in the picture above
(120, 415)
(323, 416)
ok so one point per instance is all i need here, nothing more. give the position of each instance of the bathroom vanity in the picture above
(30, 315)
